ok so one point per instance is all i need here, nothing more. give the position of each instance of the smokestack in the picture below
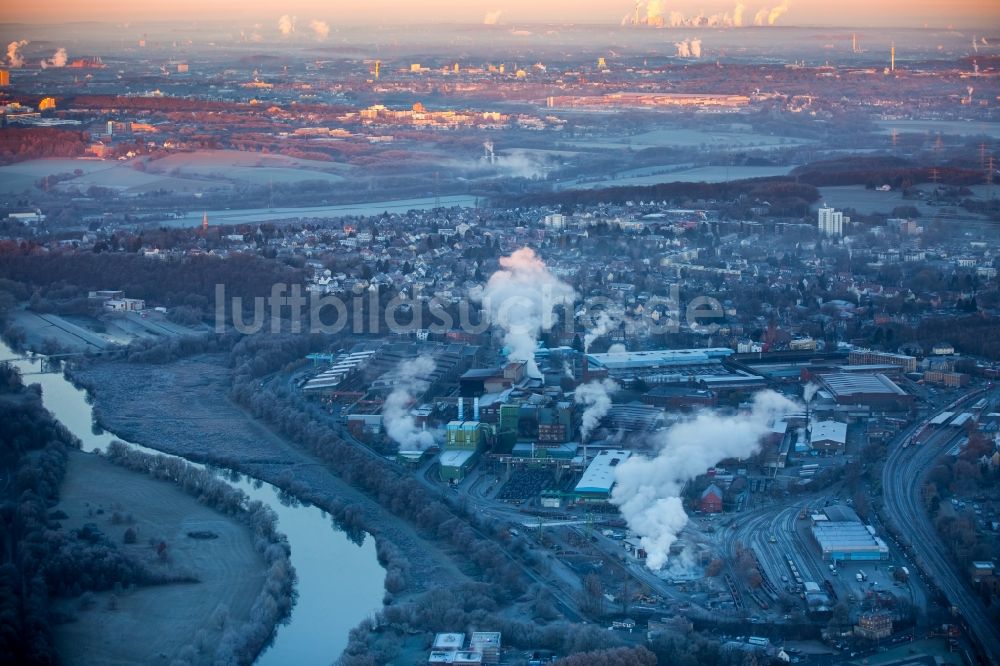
(461, 409)
(475, 409)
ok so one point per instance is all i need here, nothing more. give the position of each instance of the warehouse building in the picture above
(876, 391)
(842, 536)
(829, 437)
(599, 477)
(870, 357)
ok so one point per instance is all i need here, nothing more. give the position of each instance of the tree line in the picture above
(239, 644)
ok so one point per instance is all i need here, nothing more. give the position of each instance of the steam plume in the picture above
(689, 48)
(286, 25)
(607, 321)
(596, 397)
(520, 298)
(399, 424)
(14, 58)
(492, 18)
(760, 18)
(656, 15)
(809, 392)
(320, 28)
(648, 490)
(776, 12)
(58, 59)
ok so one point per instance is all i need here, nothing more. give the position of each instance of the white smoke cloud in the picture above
(520, 299)
(492, 18)
(647, 490)
(689, 48)
(58, 59)
(738, 14)
(607, 321)
(286, 25)
(809, 392)
(656, 14)
(411, 380)
(776, 12)
(14, 59)
(596, 398)
(760, 18)
(320, 28)
(520, 165)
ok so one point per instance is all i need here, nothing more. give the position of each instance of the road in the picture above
(902, 479)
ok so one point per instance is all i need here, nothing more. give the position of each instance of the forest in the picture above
(786, 197)
(60, 281)
(27, 143)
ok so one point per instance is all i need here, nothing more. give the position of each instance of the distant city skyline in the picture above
(983, 14)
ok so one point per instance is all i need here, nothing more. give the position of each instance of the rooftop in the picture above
(657, 358)
(833, 431)
(850, 384)
(600, 474)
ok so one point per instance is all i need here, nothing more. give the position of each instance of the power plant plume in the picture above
(520, 299)
(492, 18)
(607, 321)
(399, 423)
(58, 59)
(689, 48)
(286, 25)
(320, 28)
(648, 490)
(14, 59)
(760, 18)
(596, 398)
(809, 392)
(738, 14)
(776, 12)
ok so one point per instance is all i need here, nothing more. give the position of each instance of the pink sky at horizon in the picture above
(983, 14)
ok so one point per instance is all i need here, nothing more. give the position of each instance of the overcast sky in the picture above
(982, 14)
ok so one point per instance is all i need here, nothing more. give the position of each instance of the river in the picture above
(339, 583)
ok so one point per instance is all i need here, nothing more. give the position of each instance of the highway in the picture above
(902, 479)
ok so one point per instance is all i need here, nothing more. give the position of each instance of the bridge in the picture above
(51, 363)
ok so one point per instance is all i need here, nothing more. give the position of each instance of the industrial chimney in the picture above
(461, 409)
(475, 409)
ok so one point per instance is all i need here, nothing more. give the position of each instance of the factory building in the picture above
(842, 536)
(464, 441)
(876, 391)
(869, 357)
(703, 368)
(829, 437)
(599, 477)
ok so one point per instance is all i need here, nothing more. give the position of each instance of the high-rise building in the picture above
(831, 222)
